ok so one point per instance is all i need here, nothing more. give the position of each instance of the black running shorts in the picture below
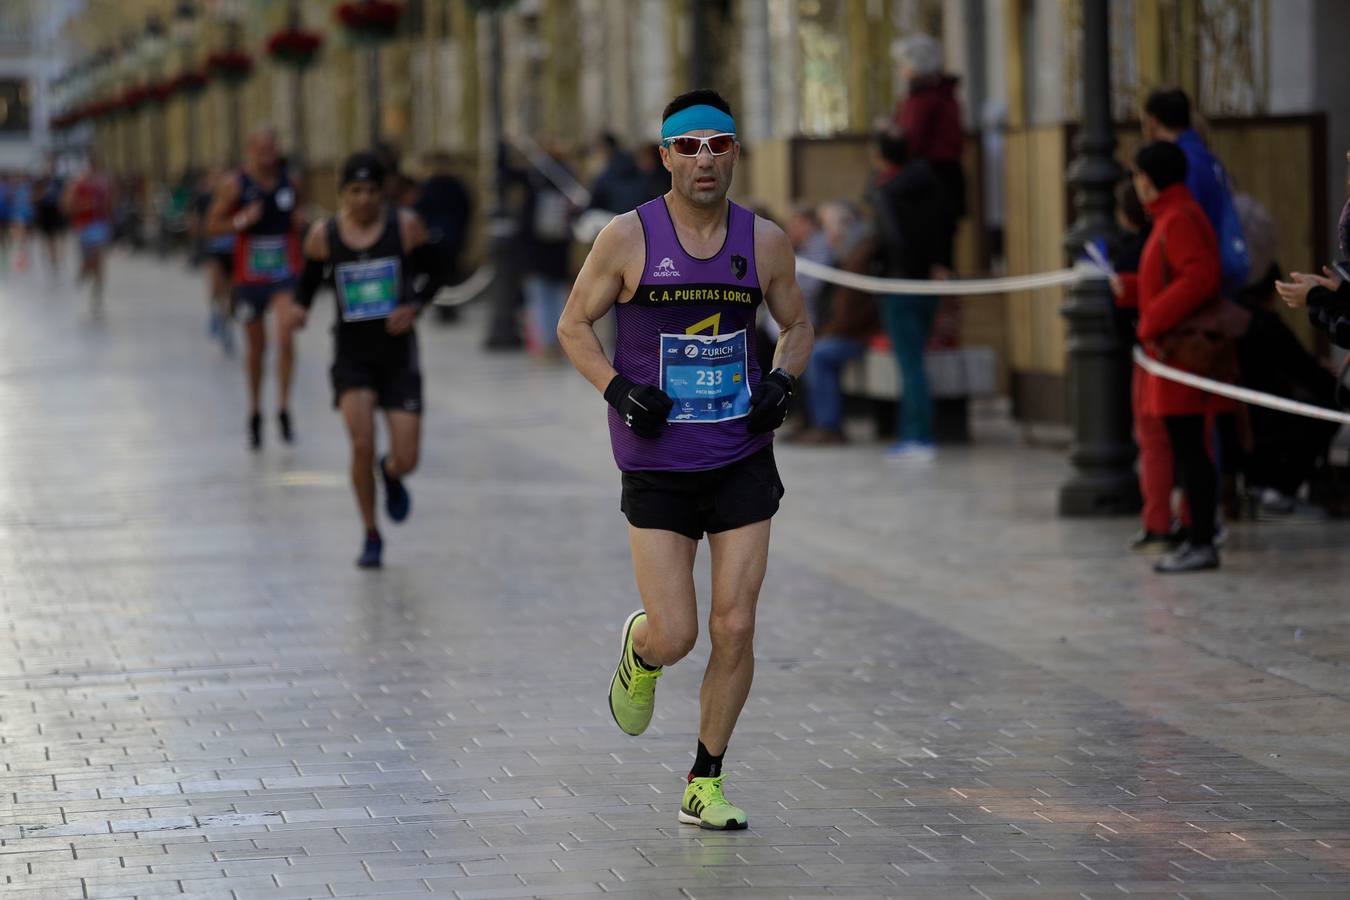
(690, 503)
(396, 378)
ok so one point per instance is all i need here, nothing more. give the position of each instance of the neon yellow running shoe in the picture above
(632, 691)
(705, 806)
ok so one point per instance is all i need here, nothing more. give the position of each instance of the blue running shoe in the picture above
(397, 500)
(370, 556)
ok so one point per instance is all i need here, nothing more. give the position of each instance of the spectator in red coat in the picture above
(1179, 273)
(930, 119)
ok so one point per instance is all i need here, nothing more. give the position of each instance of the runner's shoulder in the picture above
(621, 238)
(772, 247)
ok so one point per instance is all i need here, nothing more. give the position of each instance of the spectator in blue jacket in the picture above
(1167, 117)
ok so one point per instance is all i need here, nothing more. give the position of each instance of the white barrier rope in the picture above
(553, 171)
(466, 291)
(1255, 398)
(873, 285)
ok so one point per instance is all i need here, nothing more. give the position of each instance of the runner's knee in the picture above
(671, 644)
(404, 460)
(363, 448)
(732, 630)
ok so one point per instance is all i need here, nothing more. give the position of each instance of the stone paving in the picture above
(957, 695)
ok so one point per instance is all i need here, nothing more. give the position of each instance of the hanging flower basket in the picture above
(133, 98)
(190, 82)
(230, 66)
(370, 21)
(160, 92)
(294, 47)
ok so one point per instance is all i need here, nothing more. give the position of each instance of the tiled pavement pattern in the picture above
(958, 695)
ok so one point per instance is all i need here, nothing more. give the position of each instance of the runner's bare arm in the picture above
(299, 219)
(597, 288)
(411, 229)
(223, 204)
(777, 264)
(316, 241)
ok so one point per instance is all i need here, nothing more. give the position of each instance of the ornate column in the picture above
(1103, 450)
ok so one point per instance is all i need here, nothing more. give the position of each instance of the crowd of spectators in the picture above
(1197, 272)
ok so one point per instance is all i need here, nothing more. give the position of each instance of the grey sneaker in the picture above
(1188, 558)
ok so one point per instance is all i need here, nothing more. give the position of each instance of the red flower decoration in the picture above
(133, 98)
(230, 65)
(160, 92)
(189, 81)
(294, 46)
(370, 20)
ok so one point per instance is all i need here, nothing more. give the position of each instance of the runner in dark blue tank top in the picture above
(260, 206)
(692, 421)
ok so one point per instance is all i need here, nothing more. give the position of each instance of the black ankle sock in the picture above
(705, 764)
(643, 663)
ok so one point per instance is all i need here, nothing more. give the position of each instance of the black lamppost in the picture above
(152, 52)
(503, 326)
(295, 21)
(373, 101)
(1103, 450)
(185, 28)
(232, 13)
(131, 149)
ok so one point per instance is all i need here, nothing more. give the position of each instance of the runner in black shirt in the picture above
(382, 270)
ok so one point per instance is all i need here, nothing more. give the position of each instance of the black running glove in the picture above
(643, 408)
(770, 402)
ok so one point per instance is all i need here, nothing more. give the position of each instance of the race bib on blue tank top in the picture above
(706, 376)
(267, 259)
(367, 290)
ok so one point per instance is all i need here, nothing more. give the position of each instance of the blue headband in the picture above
(697, 118)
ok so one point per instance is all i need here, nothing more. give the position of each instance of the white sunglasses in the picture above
(688, 145)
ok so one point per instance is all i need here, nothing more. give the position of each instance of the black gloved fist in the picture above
(642, 407)
(770, 402)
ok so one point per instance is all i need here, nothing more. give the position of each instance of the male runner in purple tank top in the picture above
(692, 420)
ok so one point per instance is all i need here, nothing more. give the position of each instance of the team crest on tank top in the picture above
(689, 329)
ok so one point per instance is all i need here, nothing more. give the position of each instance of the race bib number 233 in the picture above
(706, 376)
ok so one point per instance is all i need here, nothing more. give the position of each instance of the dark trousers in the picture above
(1195, 473)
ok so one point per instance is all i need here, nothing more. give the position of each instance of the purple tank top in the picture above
(690, 330)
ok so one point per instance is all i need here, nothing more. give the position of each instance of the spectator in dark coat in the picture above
(446, 206)
(622, 185)
(1286, 448)
(930, 119)
(913, 213)
(1325, 296)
